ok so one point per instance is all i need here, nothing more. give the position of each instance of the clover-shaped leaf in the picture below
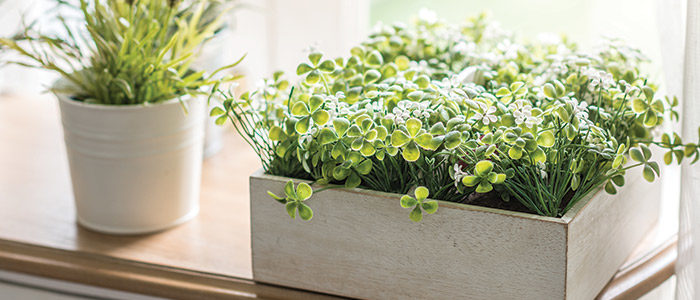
(420, 201)
(364, 132)
(484, 177)
(314, 70)
(412, 136)
(294, 200)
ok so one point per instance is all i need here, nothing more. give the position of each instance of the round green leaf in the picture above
(413, 126)
(645, 151)
(371, 76)
(357, 143)
(367, 149)
(327, 66)
(304, 68)
(289, 190)
(453, 139)
(648, 173)
(302, 126)
(315, 102)
(364, 167)
(408, 201)
(639, 106)
(416, 214)
(381, 132)
(637, 155)
(425, 140)
(546, 139)
(654, 166)
(374, 58)
(305, 212)
(353, 181)
(277, 134)
(315, 57)
(619, 180)
(313, 77)
(668, 157)
(216, 111)
(355, 131)
(304, 191)
(341, 126)
(610, 188)
(291, 208)
(415, 95)
(515, 152)
(549, 90)
(411, 152)
(538, 156)
(484, 187)
(340, 173)
(430, 206)
(650, 118)
(402, 62)
(470, 180)
(326, 136)
(320, 117)
(500, 178)
(399, 138)
(300, 109)
(422, 193)
(483, 168)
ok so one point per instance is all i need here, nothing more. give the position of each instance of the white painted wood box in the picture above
(362, 244)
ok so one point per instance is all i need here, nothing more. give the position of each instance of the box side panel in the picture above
(364, 245)
(605, 233)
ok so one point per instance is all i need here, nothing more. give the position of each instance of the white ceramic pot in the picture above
(135, 169)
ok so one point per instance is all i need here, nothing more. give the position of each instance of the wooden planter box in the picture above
(362, 244)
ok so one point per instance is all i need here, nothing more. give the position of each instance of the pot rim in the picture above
(566, 219)
(66, 98)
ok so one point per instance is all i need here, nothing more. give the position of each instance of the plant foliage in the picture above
(462, 111)
(127, 51)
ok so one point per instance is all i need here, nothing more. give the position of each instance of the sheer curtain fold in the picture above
(688, 265)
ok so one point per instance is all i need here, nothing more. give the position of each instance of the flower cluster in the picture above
(464, 112)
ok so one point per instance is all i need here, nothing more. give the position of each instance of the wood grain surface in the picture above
(361, 244)
(39, 235)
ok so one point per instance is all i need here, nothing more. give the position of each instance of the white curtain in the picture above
(680, 37)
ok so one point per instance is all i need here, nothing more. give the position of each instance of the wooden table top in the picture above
(207, 257)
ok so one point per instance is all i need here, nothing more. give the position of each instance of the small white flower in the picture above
(543, 169)
(488, 116)
(598, 78)
(522, 112)
(459, 174)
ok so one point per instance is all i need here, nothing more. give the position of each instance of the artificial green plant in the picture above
(462, 112)
(122, 52)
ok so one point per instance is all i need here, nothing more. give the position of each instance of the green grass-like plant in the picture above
(126, 52)
(461, 112)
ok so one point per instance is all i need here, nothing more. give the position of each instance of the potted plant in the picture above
(133, 124)
(520, 151)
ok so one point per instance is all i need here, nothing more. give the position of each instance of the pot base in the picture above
(136, 231)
